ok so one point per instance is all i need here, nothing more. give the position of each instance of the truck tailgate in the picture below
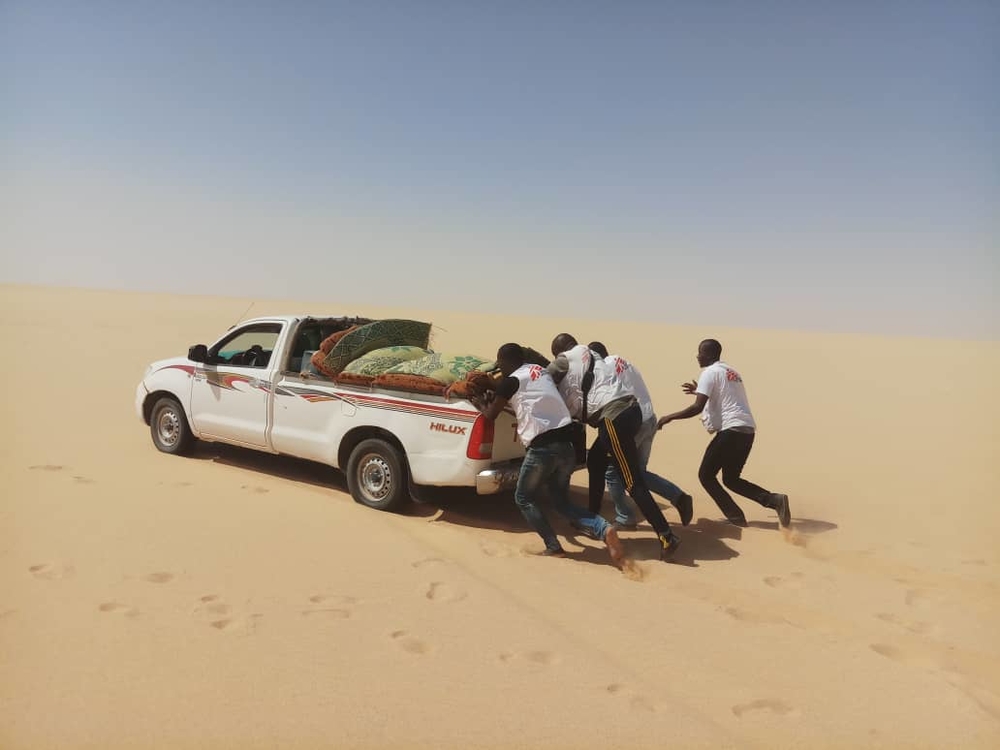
(506, 445)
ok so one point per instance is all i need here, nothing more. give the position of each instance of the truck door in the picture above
(231, 390)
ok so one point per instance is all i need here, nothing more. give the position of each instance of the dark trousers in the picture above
(616, 443)
(728, 451)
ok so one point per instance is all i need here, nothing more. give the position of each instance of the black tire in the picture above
(169, 427)
(377, 475)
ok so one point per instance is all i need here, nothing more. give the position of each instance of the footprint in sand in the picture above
(496, 550)
(767, 705)
(427, 561)
(444, 592)
(777, 582)
(409, 643)
(158, 577)
(7, 613)
(756, 618)
(52, 571)
(978, 561)
(83, 480)
(914, 626)
(46, 467)
(119, 608)
(257, 490)
(536, 658)
(333, 607)
(636, 702)
(916, 597)
(215, 613)
(244, 625)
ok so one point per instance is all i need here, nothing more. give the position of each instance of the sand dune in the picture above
(236, 600)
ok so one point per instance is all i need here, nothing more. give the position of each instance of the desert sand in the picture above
(237, 600)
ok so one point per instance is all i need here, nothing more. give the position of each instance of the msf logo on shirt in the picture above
(732, 376)
(452, 428)
(535, 372)
(620, 365)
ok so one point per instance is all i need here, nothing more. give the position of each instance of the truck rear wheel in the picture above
(169, 427)
(377, 476)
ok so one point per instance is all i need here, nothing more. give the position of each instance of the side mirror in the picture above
(198, 353)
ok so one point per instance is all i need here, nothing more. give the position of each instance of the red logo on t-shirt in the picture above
(620, 365)
(535, 372)
(732, 376)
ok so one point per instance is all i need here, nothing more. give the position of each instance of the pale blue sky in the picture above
(800, 164)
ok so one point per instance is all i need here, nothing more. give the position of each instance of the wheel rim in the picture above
(375, 477)
(168, 427)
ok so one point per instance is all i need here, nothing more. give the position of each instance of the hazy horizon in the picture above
(806, 167)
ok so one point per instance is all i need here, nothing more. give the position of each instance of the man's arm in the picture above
(558, 368)
(694, 410)
(494, 403)
(568, 385)
(494, 407)
(700, 391)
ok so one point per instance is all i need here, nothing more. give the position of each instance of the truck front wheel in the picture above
(169, 427)
(377, 476)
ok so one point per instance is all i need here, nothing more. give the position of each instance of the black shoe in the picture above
(560, 552)
(780, 504)
(668, 546)
(685, 506)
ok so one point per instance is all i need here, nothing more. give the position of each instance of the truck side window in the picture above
(248, 347)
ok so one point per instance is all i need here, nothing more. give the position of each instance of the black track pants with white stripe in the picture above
(616, 442)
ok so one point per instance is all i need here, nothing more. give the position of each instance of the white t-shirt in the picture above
(606, 387)
(537, 403)
(727, 405)
(633, 383)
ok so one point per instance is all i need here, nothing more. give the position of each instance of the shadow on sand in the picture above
(704, 540)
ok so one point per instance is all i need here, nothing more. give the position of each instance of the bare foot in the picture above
(552, 552)
(615, 548)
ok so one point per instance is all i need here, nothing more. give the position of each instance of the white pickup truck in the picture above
(253, 388)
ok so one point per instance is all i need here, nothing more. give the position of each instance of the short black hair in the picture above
(562, 343)
(512, 353)
(712, 348)
(598, 347)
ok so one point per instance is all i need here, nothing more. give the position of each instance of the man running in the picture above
(721, 400)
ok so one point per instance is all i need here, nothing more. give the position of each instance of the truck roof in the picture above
(294, 318)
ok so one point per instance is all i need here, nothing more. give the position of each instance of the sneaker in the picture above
(620, 526)
(558, 552)
(668, 546)
(685, 506)
(780, 504)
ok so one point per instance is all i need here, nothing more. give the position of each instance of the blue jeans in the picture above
(625, 510)
(549, 467)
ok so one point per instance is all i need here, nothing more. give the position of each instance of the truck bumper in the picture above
(498, 478)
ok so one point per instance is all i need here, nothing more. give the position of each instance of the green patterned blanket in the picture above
(377, 335)
(445, 368)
